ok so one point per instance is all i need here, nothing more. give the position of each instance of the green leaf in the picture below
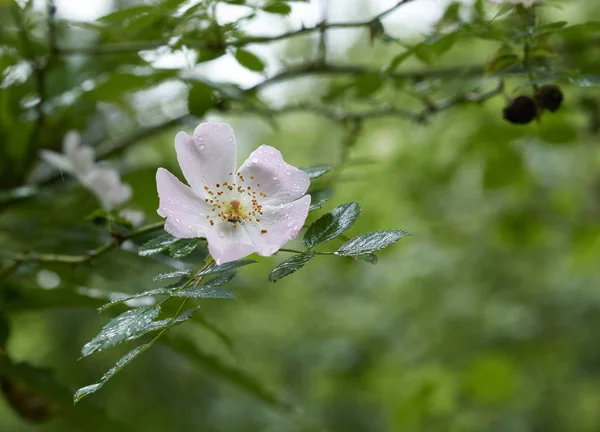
(367, 84)
(208, 289)
(586, 81)
(291, 265)
(226, 267)
(123, 361)
(122, 14)
(316, 171)
(157, 245)
(150, 293)
(318, 198)
(371, 258)
(502, 62)
(332, 224)
(370, 242)
(278, 8)
(133, 322)
(398, 60)
(200, 98)
(249, 60)
(170, 322)
(183, 247)
(171, 275)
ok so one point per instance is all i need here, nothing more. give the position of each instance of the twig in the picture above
(123, 48)
(21, 258)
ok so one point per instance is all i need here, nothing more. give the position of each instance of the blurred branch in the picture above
(39, 68)
(19, 258)
(122, 48)
(330, 69)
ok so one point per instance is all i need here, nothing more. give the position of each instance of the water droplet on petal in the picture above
(230, 139)
(254, 160)
(202, 147)
(221, 234)
(274, 178)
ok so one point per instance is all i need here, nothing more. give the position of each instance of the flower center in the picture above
(234, 212)
(235, 202)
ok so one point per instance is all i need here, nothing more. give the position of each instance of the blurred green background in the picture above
(483, 320)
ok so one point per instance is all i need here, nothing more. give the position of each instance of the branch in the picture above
(20, 258)
(123, 48)
(331, 69)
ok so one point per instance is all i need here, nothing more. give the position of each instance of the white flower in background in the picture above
(47, 279)
(78, 160)
(106, 184)
(136, 217)
(257, 208)
(75, 159)
(526, 3)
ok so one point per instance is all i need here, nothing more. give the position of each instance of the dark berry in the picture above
(520, 110)
(549, 96)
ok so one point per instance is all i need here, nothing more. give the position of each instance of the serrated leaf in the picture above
(370, 242)
(133, 322)
(332, 224)
(291, 265)
(249, 60)
(226, 267)
(316, 171)
(170, 322)
(124, 299)
(171, 275)
(208, 290)
(183, 247)
(278, 8)
(157, 245)
(123, 361)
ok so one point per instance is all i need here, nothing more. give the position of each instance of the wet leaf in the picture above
(123, 361)
(318, 198)
(226, 267)
(316, 171)
(171, 275)
(291, 265)
(157, 245)
(332, 224)
(207, 290)
(370, 242)
(125, 326)
(183, 247)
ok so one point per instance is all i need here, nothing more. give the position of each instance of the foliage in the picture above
(479, 321)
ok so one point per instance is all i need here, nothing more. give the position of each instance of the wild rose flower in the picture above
(78, 160)
(75, 159)
(526, 3)
(257, 208)
(106, 184)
